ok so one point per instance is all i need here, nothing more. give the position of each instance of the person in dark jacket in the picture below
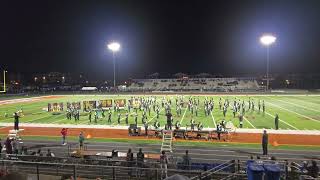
(8, 146)
(276, 121)
(129, 160)
(313, 170)
(16, 121)
(265, 142)
(140, 161)
(186, 161)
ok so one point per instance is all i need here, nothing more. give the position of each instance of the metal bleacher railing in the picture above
(104, 168)
(90, 171)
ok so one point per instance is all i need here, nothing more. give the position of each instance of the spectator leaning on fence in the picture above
(164, 164)
(129, 160)
(140, 160)
(186, 160)
(50, 154)
(313, 169)
(8, 146)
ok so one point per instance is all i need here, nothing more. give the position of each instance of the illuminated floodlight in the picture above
(267, 39)
(114, 46)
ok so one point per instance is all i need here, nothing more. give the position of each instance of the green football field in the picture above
(296, 112)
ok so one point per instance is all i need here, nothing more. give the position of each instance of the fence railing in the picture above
(91, 171)
(121, 169)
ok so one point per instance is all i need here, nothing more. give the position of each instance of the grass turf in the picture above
(295, 112)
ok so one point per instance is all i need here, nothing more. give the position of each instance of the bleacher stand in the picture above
(196, 84)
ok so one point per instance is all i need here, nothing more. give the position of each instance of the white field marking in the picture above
(298, 105)
(246, 119)
(185, 94)
(53, 122)
(249, 122)
(155, 115)
(183, 115)
(279, 119)
(116, 123)
(37, 118)
(294, 112)
(22, 100)
(214, 121)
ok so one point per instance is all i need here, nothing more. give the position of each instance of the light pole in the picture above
(114, 47)
(267, 40)
(4, 81)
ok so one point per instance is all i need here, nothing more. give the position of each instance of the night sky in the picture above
(218, 37)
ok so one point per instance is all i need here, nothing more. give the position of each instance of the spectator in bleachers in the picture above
(313, 169)
(186, 160)
(129, 160)
(38, 153)
(14, 145)
(140, 161)
(8, 146)
(24, 151)
(50, 154)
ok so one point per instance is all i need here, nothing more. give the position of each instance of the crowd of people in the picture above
(156, 104)
(11, 147)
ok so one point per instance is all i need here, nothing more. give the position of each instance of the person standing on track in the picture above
(16, 121)
(140, 162)
(276, 121)
(81, 140)
(129, 160)
(265, 142)
(64, 132)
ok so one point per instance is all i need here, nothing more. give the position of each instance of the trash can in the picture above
(272, 171)
(255, 171)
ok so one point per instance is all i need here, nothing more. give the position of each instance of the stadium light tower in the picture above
(4, 81)
(267, 40)
(114, 47)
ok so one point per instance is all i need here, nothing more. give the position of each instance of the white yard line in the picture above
(294, 112)
(155, 115)
(298, 105)
(279, 119)
(58, 119)
(249, 122)
(282, 121)
(183, 115)
(214, 121)
(37, 118)
(246, 119)
(116, 122)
